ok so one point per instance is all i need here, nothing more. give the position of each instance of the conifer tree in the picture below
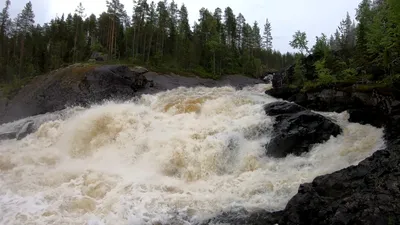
(267, 43)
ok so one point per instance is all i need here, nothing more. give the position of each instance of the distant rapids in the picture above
(176, 157)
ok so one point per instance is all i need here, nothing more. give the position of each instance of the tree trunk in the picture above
(75, 40)
(150, 44)
(137, 48)
(109, 39)
(115, 39)
(214, 63)
(162, 44)
(112, 37)
(157, 40)
(21, 56)
(144, 47)
(133, 42)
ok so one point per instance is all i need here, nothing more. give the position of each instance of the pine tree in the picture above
(257, 36)
(5, 23)
(26, 19)
(116, 10)
(184, 37)
(240, 22)
(267, 44)
(363, 17)
(151, 21)
(79, 16)
(346, 29)
(230, 26)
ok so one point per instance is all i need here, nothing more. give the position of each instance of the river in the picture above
(175, 157)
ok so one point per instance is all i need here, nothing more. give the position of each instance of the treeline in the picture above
(157, 34)
(367, 51)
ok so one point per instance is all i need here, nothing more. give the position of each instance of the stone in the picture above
(278, 108)
(26, 129)
(296, 129)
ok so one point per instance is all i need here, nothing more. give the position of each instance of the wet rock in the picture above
(26, 129)
(368, 193)
(17, 131)
(140, 70)
(243, 217)
(296, 129)
(98, 56)
(278, 108)
(7, 135)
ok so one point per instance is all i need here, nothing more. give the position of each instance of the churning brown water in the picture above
(175, 157)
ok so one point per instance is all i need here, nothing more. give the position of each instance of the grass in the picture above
(74, 72)
(165, 68)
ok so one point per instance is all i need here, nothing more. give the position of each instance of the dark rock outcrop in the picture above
(374, 106)
(74, 85)
(366, 194)
(296, 129)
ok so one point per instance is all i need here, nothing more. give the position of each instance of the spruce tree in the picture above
(25, 19)
(267, 43)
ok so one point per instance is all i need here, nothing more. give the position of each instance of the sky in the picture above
(286, 16)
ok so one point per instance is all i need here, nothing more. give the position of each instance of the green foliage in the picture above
(349, 74)
(366, 54)
(267, 43)
(299, 72)
(324, 74)
(300, 41)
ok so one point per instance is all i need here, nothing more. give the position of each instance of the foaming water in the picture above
(176, 157)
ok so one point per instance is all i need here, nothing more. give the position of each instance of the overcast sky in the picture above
(286, 16)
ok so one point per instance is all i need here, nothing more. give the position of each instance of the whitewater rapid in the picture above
(176, 157)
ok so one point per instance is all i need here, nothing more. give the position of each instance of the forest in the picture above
(158, 35)
(364, 52)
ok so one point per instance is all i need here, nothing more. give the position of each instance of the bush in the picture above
(349, 74)
(324, 74)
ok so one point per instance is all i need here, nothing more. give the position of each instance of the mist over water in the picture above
(176, 157)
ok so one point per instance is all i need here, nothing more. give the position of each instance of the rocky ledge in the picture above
(365, 194)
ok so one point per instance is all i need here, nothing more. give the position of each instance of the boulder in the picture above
(7, 135)
(140, 70)
(26, 129)
(278, 108)
(296, 129)
(17, 131)
(99, 57)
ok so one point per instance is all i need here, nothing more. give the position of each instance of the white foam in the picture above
(174, 157)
